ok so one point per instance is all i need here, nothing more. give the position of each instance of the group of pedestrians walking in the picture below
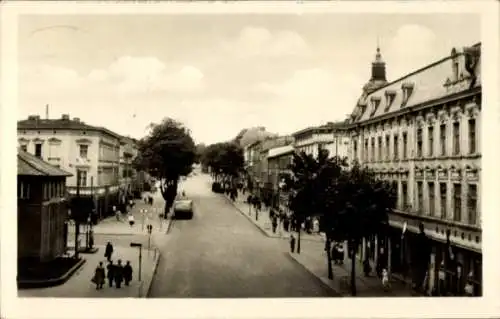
(116, 273)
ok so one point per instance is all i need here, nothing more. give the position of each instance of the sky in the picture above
(218, 74)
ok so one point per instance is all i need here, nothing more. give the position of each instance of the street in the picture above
(220, 254)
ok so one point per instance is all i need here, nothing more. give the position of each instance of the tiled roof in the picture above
(277, 151)
(427, 84)
(61, 124)
(28, 164)
(325, 127)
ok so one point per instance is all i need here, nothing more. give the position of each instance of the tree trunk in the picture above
(328, 247)
(353, 268)
(298, 240)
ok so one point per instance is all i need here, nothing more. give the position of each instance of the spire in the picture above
(378, 66)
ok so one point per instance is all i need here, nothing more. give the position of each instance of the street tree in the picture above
(224, 159)
(167, 153)
(358, 207)
(309, 176)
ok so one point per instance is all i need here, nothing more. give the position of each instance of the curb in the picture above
(156, 262)
(263, 231)
(325, 283)
(26, 284)
(169, 225)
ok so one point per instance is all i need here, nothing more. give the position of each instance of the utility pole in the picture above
(46, 111)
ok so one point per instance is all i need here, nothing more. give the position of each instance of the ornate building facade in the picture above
(422, 133)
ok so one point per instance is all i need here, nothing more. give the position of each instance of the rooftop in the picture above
(330, 126)
(277, 151)
(428, 83)
(30, 165)
(34, 122)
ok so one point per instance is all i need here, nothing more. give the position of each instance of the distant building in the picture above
(90, 153)
(128, 177)
(333, 137)
(279, 161)
(422, 133)
(42, 209)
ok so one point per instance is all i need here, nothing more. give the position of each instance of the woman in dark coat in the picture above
(127, 273)
(108, 251)
(118, 274)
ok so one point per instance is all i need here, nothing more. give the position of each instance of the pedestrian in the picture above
(292, 243)
(469, 286)
(385, 279)
(366, 267)
(127, 273)
(111, 273)
(118, 275)
(145, 199)
(275, 224)
(131, 220)
(108, 252)
(340, 251)
(99, 275)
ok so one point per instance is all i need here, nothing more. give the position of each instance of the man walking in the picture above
(118, 274)
(111, 273)
(108, 252)
(127, 273)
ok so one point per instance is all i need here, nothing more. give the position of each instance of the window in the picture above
(82, 178)
(23, 190)
(472, 136)
(432, 201)
(84, 149)
(387, 147)
(24, 148)
(442, 139)
(419, 142)
(395, 189)
(420, 196)
(405, 145)
(456, 138)
(455, 71)
(430, 131)
(396, 147)
(443, 197)
(373, 149)
(366, 150)
(472, 204)
(38, 150)
(457, 202)
(404, 194)
(379, 150)
(355, 148)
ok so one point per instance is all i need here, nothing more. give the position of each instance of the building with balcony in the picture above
(332, 136)
(421, 133)
(41, 209)
(279, 161)
(90, 153)
(128, 177)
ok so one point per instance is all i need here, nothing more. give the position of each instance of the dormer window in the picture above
(407, 89)
(375, 101)
(390, 95)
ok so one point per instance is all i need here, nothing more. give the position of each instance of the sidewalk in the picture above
(264, 222)
(112, 226)
(80, 286)
(313, 258)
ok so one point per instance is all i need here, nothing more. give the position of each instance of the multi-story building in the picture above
(279, 161)
(90, 153)
(126, 172)
(333, 136)
(421, 133)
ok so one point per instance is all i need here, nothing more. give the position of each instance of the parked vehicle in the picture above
(183, 209)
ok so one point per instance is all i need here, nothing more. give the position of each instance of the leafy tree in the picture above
(200, 150)
(167, 153)
(225, 160)
(358, 207)
(310, 177)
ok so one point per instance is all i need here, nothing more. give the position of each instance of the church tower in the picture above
(378, 78)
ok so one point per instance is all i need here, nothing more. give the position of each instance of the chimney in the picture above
(65, 117)
(33, 117)
(76, 119)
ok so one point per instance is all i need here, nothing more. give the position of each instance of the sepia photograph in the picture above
(256, 154)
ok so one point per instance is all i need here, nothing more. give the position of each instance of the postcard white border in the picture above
(488, 305)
